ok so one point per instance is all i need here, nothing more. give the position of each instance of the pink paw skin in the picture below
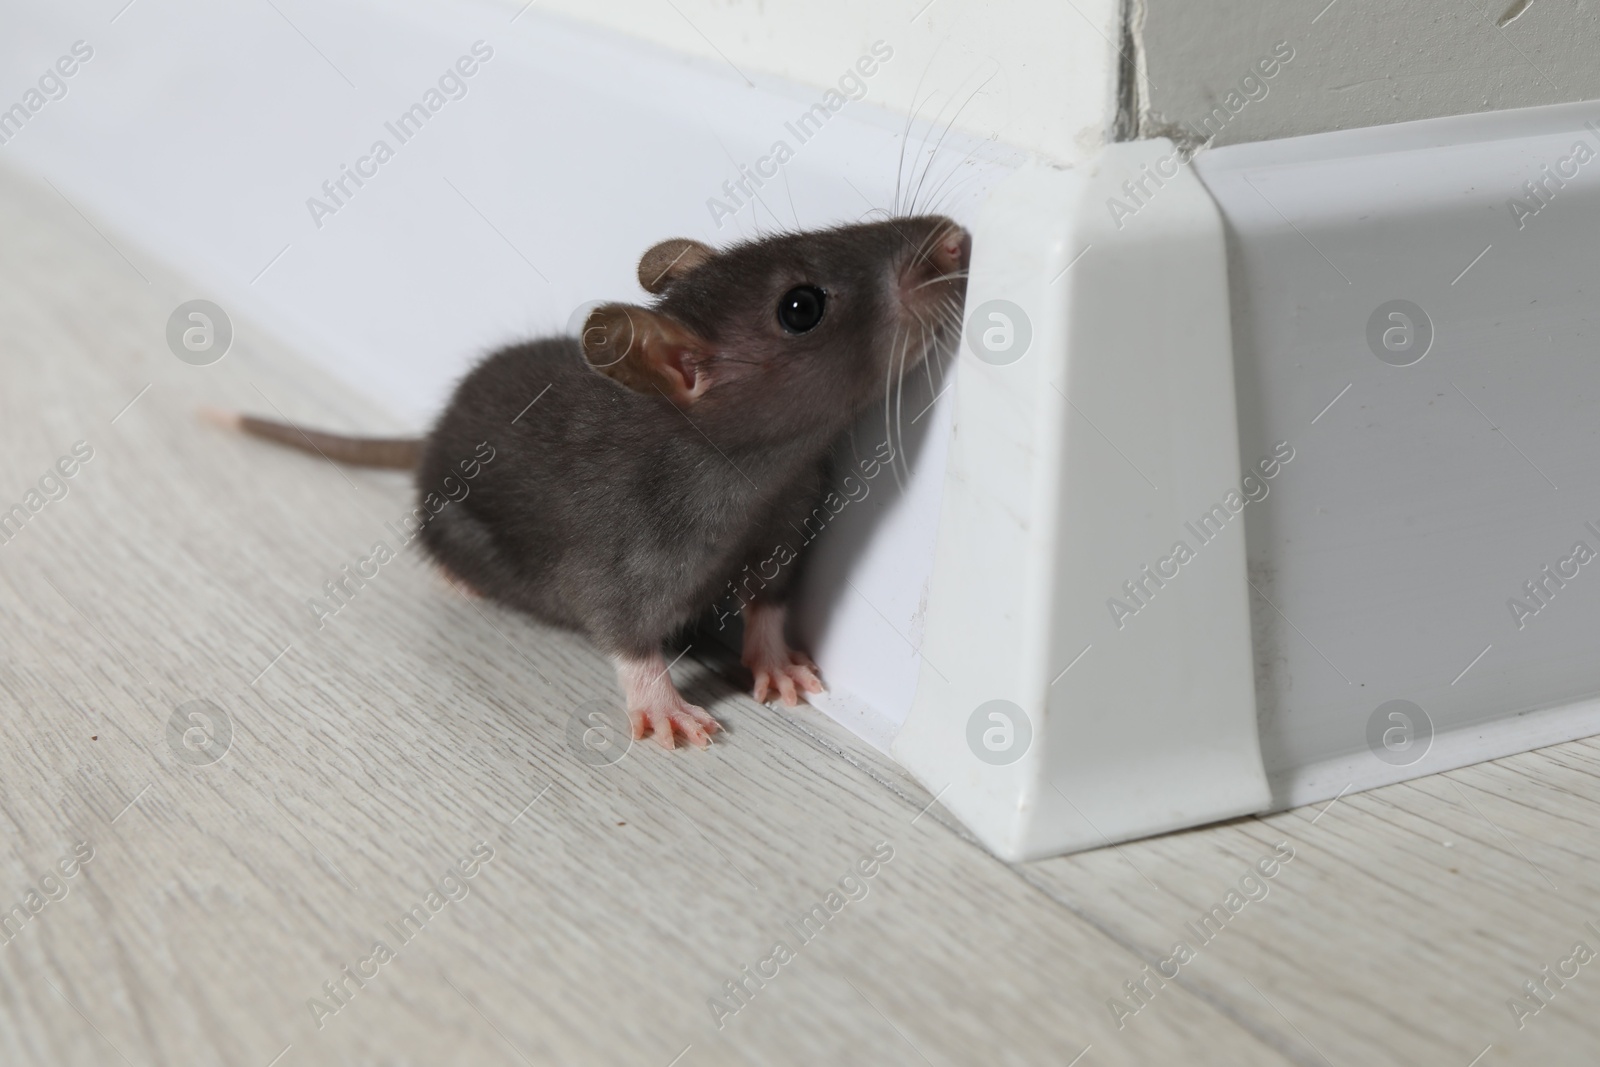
(664, 722)
(655, 706)
(788, 680)
(779, 670)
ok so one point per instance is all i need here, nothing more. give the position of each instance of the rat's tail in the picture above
(395, 453)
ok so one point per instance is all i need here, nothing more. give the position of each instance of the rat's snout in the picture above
(952, 250)
(932, 284)
(933, 280)
(936, 272)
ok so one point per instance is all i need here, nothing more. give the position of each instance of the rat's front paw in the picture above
(666, 717)
(779, 670)
(787, 677)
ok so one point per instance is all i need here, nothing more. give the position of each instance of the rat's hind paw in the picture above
(664, 718)
(789, 680)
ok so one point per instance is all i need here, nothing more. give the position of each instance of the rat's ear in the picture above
(670, 260)
(647, 352)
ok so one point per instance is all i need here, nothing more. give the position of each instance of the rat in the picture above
(641, 467)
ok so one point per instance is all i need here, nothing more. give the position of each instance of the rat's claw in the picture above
(661, 727)
(787, 680)
(664, 721)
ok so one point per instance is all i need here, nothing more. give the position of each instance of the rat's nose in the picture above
(936, 268)
(952, 250)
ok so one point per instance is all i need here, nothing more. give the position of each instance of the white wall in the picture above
(1055, 65)
(1362, 62)
(1046, 68)
(199, 132)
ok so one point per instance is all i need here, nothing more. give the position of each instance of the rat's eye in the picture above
(800, 309)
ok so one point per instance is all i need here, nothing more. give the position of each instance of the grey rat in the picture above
(672, 446)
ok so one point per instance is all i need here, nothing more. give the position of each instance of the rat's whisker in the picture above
(941, 278)
(911, 117)
(920, 254)
(899, 395)
(922, 145)
(939, 191)
(888, 378)
(940, 197)
(897, 442)
(948, 126)
(790, 194)
(932, 156)
(759, 201)
(953, 309)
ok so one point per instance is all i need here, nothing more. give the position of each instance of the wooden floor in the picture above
(416, 732)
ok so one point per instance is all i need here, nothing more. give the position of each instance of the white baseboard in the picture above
(1413, 327)
(1083, 443)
